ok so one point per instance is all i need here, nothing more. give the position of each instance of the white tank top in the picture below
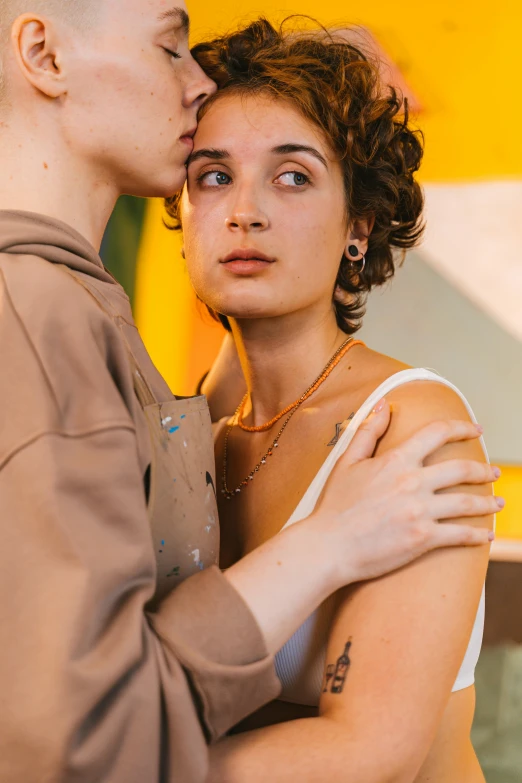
(300, 663)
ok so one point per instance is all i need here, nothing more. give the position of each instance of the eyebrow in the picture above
(211, 153)
(282, 149)
(179, 16)
(288, 149)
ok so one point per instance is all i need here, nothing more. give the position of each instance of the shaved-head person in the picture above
(125, 650)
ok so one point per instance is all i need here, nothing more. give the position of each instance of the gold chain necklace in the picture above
(291, 409)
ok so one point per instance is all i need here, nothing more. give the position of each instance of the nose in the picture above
(247, 218)
(199, 87)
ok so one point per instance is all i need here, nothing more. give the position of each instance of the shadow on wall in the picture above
(421, 319)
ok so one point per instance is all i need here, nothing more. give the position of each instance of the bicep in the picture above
(410, 629)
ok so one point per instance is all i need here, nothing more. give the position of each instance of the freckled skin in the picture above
(304, 229)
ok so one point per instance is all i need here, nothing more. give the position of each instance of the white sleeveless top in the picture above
(300, 663)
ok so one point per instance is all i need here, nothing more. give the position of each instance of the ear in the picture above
(35, 47)
(359, 234)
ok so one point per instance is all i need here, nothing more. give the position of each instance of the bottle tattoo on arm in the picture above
(337, 672)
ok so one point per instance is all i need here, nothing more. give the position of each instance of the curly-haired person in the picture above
(301, 198)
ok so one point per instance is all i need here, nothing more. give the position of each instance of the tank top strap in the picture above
(390, 384)
(311, 496)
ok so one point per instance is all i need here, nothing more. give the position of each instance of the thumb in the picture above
(367, 436)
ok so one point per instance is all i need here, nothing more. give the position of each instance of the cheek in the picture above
(198, 240)
(203, 223)
(130, 93)
(315, 242)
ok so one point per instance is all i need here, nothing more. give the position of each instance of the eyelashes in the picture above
(205, 179)
(296, 174)
(175, 55)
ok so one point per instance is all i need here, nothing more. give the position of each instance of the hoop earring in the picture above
(360, 269)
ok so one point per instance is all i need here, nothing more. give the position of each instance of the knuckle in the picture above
(414, 512)
(418, 536)
(465, 534)
(465, 470)
(394, 457)
(467, 504)
(410, 483)
(442, 429)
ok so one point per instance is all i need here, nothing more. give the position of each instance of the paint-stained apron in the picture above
(181, 481)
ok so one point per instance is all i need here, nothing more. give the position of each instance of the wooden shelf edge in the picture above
(506, 549)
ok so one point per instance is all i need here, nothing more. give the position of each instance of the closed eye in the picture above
(175, 55)
(293, 179)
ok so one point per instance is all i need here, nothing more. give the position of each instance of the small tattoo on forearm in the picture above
(339, 430)
(336, 673)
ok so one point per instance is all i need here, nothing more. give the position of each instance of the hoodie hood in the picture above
(28, 233)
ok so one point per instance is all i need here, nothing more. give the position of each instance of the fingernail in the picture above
(480, 428)
(380, 405)
(497, 472)
(500, 502)
(491, 536)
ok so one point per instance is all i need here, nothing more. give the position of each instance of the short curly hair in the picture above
(338, 88)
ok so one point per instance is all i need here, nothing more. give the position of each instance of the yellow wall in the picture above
(509, 522)
(461, 58)
(163, 298)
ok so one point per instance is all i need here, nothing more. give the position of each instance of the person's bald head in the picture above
(80, 14)
(75, 11)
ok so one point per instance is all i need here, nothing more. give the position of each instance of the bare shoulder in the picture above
(365, 370)
(419, 403)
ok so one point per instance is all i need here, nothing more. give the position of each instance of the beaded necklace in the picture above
(237, 421)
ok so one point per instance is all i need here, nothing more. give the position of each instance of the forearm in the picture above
(76, 610)
(286, 579)
(311, 751)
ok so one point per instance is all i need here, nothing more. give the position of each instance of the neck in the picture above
(281, 358)
(40, 174)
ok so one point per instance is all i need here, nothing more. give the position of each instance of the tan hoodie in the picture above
(93, 686)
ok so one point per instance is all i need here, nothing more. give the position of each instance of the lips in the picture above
(188, 138)
(190, 133)
(247, 255)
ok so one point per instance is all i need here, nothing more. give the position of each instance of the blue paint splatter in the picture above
(173, 429)
(184, 416)
(162, 543)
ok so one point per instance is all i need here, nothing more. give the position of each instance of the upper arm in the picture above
(410, 629)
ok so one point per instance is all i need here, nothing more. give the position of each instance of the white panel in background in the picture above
(474, 239)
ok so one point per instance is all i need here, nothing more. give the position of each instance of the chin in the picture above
(166, 186)
(244, 312)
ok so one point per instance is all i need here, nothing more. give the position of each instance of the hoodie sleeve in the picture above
(93, 686)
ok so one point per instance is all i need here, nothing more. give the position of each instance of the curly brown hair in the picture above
(338, 88)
